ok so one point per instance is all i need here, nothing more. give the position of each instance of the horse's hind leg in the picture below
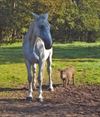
(34, 76)
(28, 65)
(49, 69)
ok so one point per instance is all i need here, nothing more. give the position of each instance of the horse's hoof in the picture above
(40, 99)
(30, 99)
(51, 89)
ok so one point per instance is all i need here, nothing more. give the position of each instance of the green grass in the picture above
(84, 56)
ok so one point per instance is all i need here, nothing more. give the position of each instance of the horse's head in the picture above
(43, 29)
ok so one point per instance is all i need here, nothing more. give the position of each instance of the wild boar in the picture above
(67, 75)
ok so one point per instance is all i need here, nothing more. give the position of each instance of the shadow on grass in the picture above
(76, 52)
(6, 89)
(75, 60)
(11, 100)
(10, 55)
(12, 89)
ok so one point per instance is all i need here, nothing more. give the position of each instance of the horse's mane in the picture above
(30, 34)
(31, 30)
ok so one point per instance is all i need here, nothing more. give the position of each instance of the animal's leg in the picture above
(40, 79)
(49, 69)
(28, 65)
(34, 76)
(64, 83)
(68, 81)
(73, 79)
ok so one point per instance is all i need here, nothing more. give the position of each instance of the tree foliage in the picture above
(70, 19)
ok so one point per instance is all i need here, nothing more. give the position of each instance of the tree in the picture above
(70, 19)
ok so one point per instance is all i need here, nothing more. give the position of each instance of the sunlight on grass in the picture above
(84, 56)
(12, 74)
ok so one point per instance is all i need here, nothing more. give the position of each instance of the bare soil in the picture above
(74, 101)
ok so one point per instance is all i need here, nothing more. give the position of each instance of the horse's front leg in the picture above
(40, 79)
(34, 76)
(28, 65)
(49, 69)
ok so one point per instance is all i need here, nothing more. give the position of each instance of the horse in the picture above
(37, 49)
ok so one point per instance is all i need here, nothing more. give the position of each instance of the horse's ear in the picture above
(46, 16)
(35, 15)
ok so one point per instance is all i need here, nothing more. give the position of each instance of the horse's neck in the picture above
(28, 44)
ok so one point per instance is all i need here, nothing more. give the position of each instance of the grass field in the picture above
(84, 56)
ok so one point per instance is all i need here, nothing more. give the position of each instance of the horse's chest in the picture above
(46, 54)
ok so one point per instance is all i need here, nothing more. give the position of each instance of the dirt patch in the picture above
(74, 101)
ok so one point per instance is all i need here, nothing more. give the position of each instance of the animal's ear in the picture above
(35, 15)
(46, 16)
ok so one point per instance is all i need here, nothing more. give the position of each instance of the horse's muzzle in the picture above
(47, 39)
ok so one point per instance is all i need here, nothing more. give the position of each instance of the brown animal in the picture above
(67, 75)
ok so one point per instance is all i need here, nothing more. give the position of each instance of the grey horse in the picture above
(37, 49)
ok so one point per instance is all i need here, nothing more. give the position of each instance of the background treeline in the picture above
(70, 19)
